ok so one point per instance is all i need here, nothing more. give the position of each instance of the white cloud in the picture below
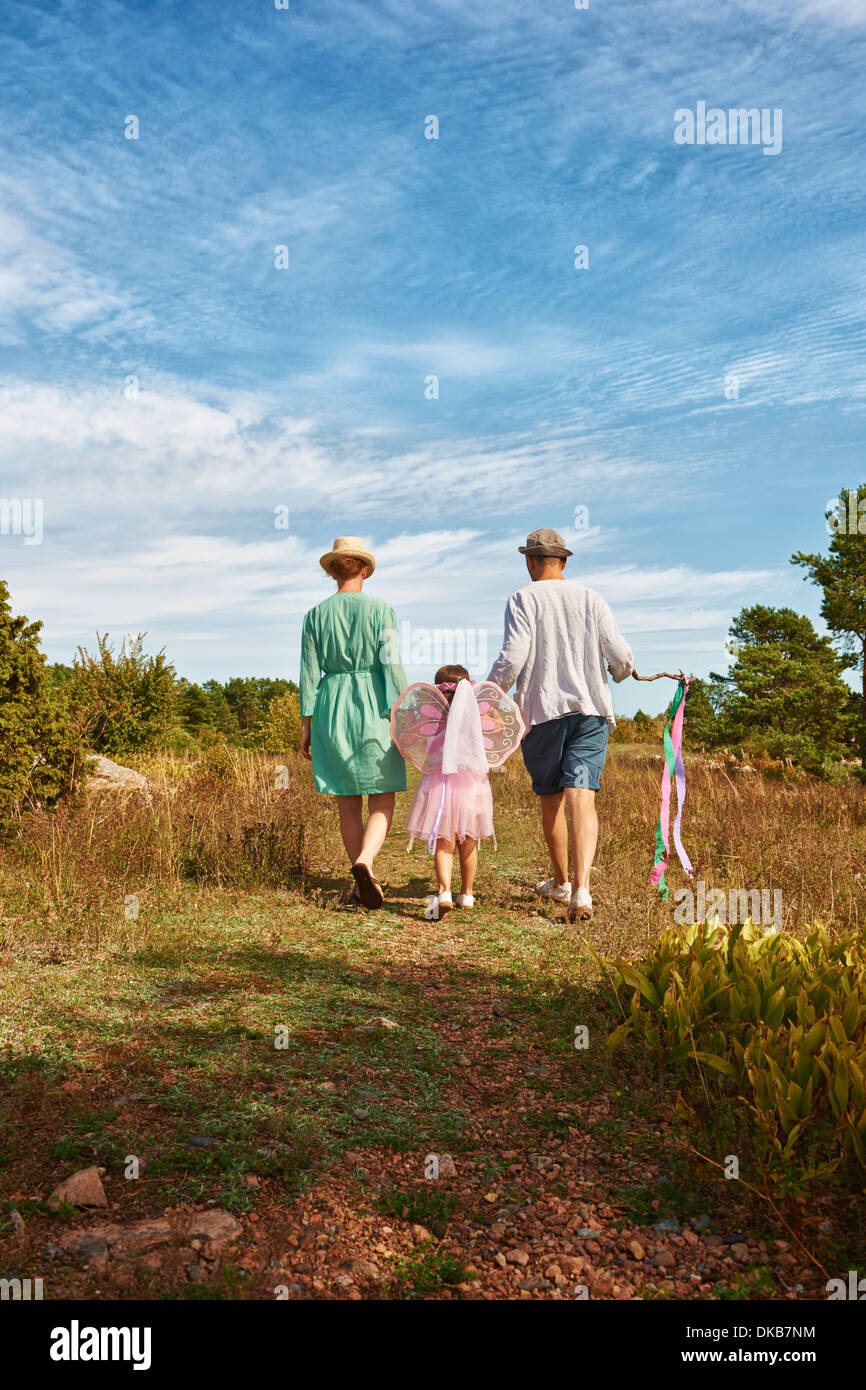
(42, 283)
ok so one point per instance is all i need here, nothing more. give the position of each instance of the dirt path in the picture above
(408, 1045)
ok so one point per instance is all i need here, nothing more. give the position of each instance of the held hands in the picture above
(306, 750)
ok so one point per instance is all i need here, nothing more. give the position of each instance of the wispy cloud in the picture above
(687, 388)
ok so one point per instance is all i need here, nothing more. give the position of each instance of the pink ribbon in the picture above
(674, 771)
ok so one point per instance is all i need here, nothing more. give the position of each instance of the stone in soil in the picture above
(105, 775)
(381, 1024)
(209, 1231)
(361, 1270)
(81, 1189)
(669, 1227)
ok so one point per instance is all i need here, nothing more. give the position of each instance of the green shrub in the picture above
(219, 764)
(124, 703)
(773, 1024)
(281, 730)
(41, 759)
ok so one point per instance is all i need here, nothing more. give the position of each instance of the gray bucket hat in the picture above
(543, 542)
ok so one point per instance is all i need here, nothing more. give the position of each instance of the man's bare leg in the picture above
(584, 832)
(555, 828)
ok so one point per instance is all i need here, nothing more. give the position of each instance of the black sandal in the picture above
(369, 888)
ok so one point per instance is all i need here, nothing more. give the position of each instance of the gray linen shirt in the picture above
(558, 635)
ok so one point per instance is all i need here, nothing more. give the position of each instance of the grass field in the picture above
(154, 951)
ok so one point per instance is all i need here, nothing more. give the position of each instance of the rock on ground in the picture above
(81, 1189)
(208, 1232)
(105, 775)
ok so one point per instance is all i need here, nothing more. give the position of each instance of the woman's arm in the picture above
(311, 669)
(306, 726)
(389, 657)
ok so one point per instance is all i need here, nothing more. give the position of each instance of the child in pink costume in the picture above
(454, 732)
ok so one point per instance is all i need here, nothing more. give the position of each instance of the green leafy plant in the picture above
(772, 1024)
(124, 702)
(42, 758)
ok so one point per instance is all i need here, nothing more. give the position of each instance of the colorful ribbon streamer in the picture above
(674, 770)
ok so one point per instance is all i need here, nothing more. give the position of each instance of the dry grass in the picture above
(229, 825)
(245, 923)
(69, 877)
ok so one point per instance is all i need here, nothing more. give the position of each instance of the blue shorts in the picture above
(566, 752)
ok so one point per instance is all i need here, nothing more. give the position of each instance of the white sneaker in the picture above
(547, 889)
(580, 906)
(465, 900)
(437, 905)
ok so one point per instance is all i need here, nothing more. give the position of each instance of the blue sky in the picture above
(559, 388)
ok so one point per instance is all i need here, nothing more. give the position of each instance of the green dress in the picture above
(350, 677)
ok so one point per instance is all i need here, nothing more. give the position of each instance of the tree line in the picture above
(784, 696)
(125, 701)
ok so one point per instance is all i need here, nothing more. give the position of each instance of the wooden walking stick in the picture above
(679, 676)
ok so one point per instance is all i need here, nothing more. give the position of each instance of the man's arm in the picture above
(615, 649)
(515, 646)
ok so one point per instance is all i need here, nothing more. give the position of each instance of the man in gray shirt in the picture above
(558, 636)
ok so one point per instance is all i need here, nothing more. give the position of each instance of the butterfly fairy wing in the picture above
(501, 724)
(418, 719)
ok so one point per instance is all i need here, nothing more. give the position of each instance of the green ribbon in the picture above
(670, 758)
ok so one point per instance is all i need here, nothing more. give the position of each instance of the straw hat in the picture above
(348, 547)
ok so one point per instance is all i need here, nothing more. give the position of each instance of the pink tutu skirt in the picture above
(467, 809)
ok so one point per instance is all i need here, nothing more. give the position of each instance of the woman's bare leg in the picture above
(352, 824)
(468, 864)
(380, 812)
(444, 859)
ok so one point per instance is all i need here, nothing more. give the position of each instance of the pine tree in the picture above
(842, 576)
(785, 692)
(40, 758)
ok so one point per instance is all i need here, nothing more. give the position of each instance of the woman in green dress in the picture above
(350, 677)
